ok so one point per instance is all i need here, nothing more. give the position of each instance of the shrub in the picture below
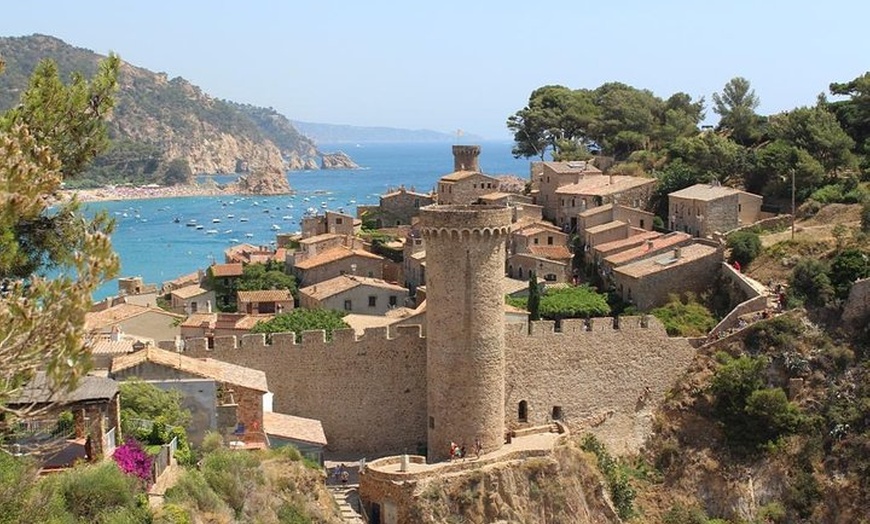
(621, 492)
(865, 217)
(847, 267)
(290, 514)
(687, 318)
(745, 246)
(172, 514)
(809, 282)
(568, 302)
(89, 490)
(192, 489)
(212, 441)
(232, 476)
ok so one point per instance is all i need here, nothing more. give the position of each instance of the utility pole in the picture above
(792, 204)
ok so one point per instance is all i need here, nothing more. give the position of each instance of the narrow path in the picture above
(347, 498)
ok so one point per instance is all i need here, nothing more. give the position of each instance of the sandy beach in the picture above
(135, 193)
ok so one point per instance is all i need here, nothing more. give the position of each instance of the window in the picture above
(474, 186)
(557, 412)
(393, 300)
(523, 411)
(549, 241)
(348, 306)
(431, 422)
(535, 240)
(373, 301)
(338, 221)
(550, 277)
(739, 207)
(416, 202)
(641, 223)
(371, 275)
(193, 306)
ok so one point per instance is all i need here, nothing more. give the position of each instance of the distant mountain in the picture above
(157, 120)
(336, 134)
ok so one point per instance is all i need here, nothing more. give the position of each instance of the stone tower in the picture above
(465, 253)
(465, 158)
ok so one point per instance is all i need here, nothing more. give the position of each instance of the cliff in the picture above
(262, 183)
(157, 120)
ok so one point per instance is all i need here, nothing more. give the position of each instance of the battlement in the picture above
(465, 158)
(582, 326)
(341, 338)
(455, 221)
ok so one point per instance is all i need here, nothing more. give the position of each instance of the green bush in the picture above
(90, 490)
(172, 514)
(621, 492)
(809, 282)
(568, 302)
(847, 267)
(192, 490)
(290, 514)
(232, 476)
(685, 318)
(745, 246)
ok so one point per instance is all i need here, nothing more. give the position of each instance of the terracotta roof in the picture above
(241, 321)
(534, 227)
(316, 239)
(663, 242)
(458, 175)
(265, 295)
(106, 346)
(551, 252)
(595, 210)
(705, 192)
(39, 390)
(294, 428)
(406, 192)
(189, 291)
(342, 283)
(207, 367)
(119, 313)
(634, 240)
(496, 195)
(665, 261)
(604, 185)
(574, 166)
(227, 270)
(613, 224)
(333, 255)
(199, 320)
(249, 321)
(190, 277)
(359, 323)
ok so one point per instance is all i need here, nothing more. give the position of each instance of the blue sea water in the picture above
(152, 245)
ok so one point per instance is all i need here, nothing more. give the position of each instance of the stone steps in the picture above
(347, 498)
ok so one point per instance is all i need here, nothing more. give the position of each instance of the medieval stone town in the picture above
(436, 374)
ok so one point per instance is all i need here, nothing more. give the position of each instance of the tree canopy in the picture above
(300, 320)
(56, 130)
(568, 302)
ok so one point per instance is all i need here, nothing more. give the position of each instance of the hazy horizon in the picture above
(448, 65)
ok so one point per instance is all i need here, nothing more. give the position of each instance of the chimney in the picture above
(649, 245)
(677, 253)
(465, 158)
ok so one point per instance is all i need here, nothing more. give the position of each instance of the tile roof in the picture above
(458, 175)
(613, 224)
(342, 283)
(227, 270)
(406, 192)
(665, 261)
(333, 255)
(634, 240)
(294, 428)
(106, 346)
(265, 295)
(535, 227)
(551, 252)
(705, 192)
(189, 291)
(577, 166)
(207, 367)
(663, 242)
(120, 313)
(592, 211)
(323, 237)
(495, 195)
(601, 185)
(359, 322)
(39, 390)
(199, 320)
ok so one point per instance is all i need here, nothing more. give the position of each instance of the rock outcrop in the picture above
(337, 160)
(262, 183)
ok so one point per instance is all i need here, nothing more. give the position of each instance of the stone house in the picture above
(335, 262)
(224, 280)
(192, 299)
(547, 177)
(220, 396)
(249, 254)
(267, 301)
(650, 248)
(594, 253)
(396, 207)
(211, 325)
(552, 263)
(370, 296)
(95, 432)
(522, 239)
(636, 219)
(704, 209)
(597, 190)
(330, 222)
(135, 321)
(465, 187)
(648, 283)
(499, 198)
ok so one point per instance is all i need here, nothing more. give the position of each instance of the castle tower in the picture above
(465, 158)
(465, 254)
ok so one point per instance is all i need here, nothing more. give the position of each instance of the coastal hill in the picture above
(338, 134)
(158, 120)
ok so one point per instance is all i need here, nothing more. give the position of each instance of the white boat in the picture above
(211, 232)
(199, 226)
(243, 219)
(249, 235)
(234, 240)
(287, 217)
(275, 227)
(231, 216)
(215, 221)
(228, 231)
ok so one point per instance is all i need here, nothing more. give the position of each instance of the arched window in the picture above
(557, 412)
(523, 412)
(520, 270)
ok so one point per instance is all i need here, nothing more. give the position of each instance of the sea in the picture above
(155, 238)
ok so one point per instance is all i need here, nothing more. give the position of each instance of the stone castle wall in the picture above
(595, 374)
(370, 392)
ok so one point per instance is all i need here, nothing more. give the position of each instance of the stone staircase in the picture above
(347, 498)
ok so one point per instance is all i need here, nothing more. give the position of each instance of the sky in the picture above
(446, 65)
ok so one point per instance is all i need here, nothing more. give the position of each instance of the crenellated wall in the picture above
(604, 376)
(370, 392)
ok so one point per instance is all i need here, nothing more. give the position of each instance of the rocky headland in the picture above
(337, 160)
